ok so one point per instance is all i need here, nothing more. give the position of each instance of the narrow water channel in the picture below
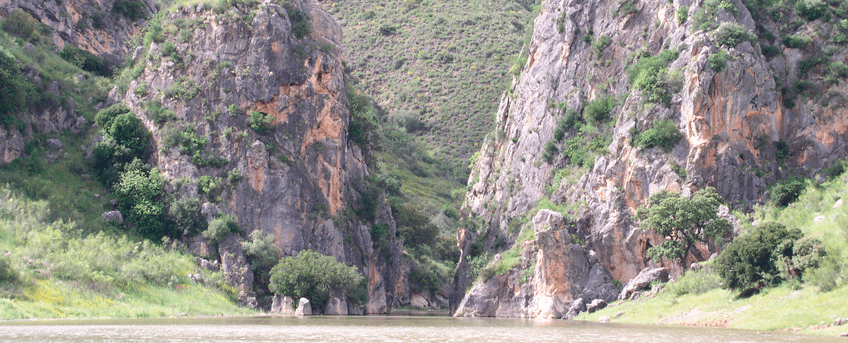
(370, 329)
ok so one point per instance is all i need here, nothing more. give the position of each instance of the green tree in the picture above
(15, 89)
(139, 194)
(752, 260)
(683, 221)
(262, 254)
(313, 276)
(221, 227)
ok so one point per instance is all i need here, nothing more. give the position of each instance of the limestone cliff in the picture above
(259, 109)
(737, 123)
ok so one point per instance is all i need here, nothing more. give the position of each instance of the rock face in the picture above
(643, 281)
(304, 308)
(733, 121)
(271, 112)
(282, 305)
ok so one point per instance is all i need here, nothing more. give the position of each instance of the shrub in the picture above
(414, 226)
(810, 9)
(185, 213)
(209, 186)
(409, 120)
(85, 60)
(125, 139)
(221, 227)
(168, 48)
(550, 151)
(139, 194)
(8, 274)
(564, 124)
(313, 276)
(158, 113)
(260, 122)
(130, 9)
(683, 221)
(718, 60)
(694, 282)
(600, 45)
(682, 14)
(796, 42)
(262, 254)
(835, 71)
(387, 30)
(786, 192)
(781, 150)
(300, 23)
(664, 134)
(750, 262)
(22, 25)
(649, 74)
(732, 34)
(625, 8)
(806, 64)
(770, 51)
(598, 110)
(15, 89)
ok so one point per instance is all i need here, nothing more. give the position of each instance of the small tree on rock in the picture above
(683, 221)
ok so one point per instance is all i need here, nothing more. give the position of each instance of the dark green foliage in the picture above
(718, 60)
(388, 30)
(650, 75)
(300, 23)
(664, 134)
(369, 199)
(598, 110)
(732, 34)
(565, 123)
(168, 48)
(550, 151)
(750, 262)
(190, 142)
(85, 60)
(600, 45)
(770, 51)
(8, 274)
(781, 150)
(683, 221)
(313, 276)
(786, 192)
(221, 227)
(125, 139)
(806, 64)
(262, 254)
(444, 57)
(210, 187)
(139, 194)
(185, 213)
(414, 226)
(704, 17)
(811, 9)
(260, 122)
(22, 25)
(131, 9)
(835, 72)
(363, 117)
(158, 113)
(625, 8)
(409, 120)
(15, 90)
(796, 42)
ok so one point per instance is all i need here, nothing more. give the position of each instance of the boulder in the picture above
(282, 304)
(336, 307)
(643, 281)
(840, 321)
(577, 306)
(595, 305)
(113, 216)
(304, 308)
(419, 301)
(55, 143)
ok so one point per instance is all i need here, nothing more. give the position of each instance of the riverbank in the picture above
(781, 308)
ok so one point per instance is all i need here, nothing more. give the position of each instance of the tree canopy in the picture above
(313, 276)
(683, 221)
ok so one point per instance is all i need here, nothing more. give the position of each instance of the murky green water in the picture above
(368, 329)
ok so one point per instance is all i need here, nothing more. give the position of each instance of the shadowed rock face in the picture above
(300, 177)
(729, 120)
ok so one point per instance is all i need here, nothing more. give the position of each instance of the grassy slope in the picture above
(806, 309)
(409, 69)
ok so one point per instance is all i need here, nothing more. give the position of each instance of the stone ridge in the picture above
(723, 115)
(301, 178)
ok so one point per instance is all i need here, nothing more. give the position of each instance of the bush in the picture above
(262, 254)
(15, 89)
(221, 227)
(131, 9)
(139, 194)
(682, 14)
(409, 120)
(810, 9)
(260, 122)
(788, 191)
(750, 262)
(718, 60)
(806, 64)
(625, 8)
(600, 45)
(300, 23)
(8, 274)
(732, 34)
(770, 52)
(694, 282)
(185, 213)
(125, 139)
(22, 25)
(664, 134)
(564, 124)
(796, 42)
(598, 110)
(414, 226)
(85, 60)
(550, 151)
(650, 75)
(313, 276)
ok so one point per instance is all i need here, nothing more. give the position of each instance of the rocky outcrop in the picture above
(304, 307)
(731, 118)
(282, 305)
(643, 281)
(563, 276)
(88, 24)
(263, 114)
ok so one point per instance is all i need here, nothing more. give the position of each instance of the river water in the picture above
(370, 329)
